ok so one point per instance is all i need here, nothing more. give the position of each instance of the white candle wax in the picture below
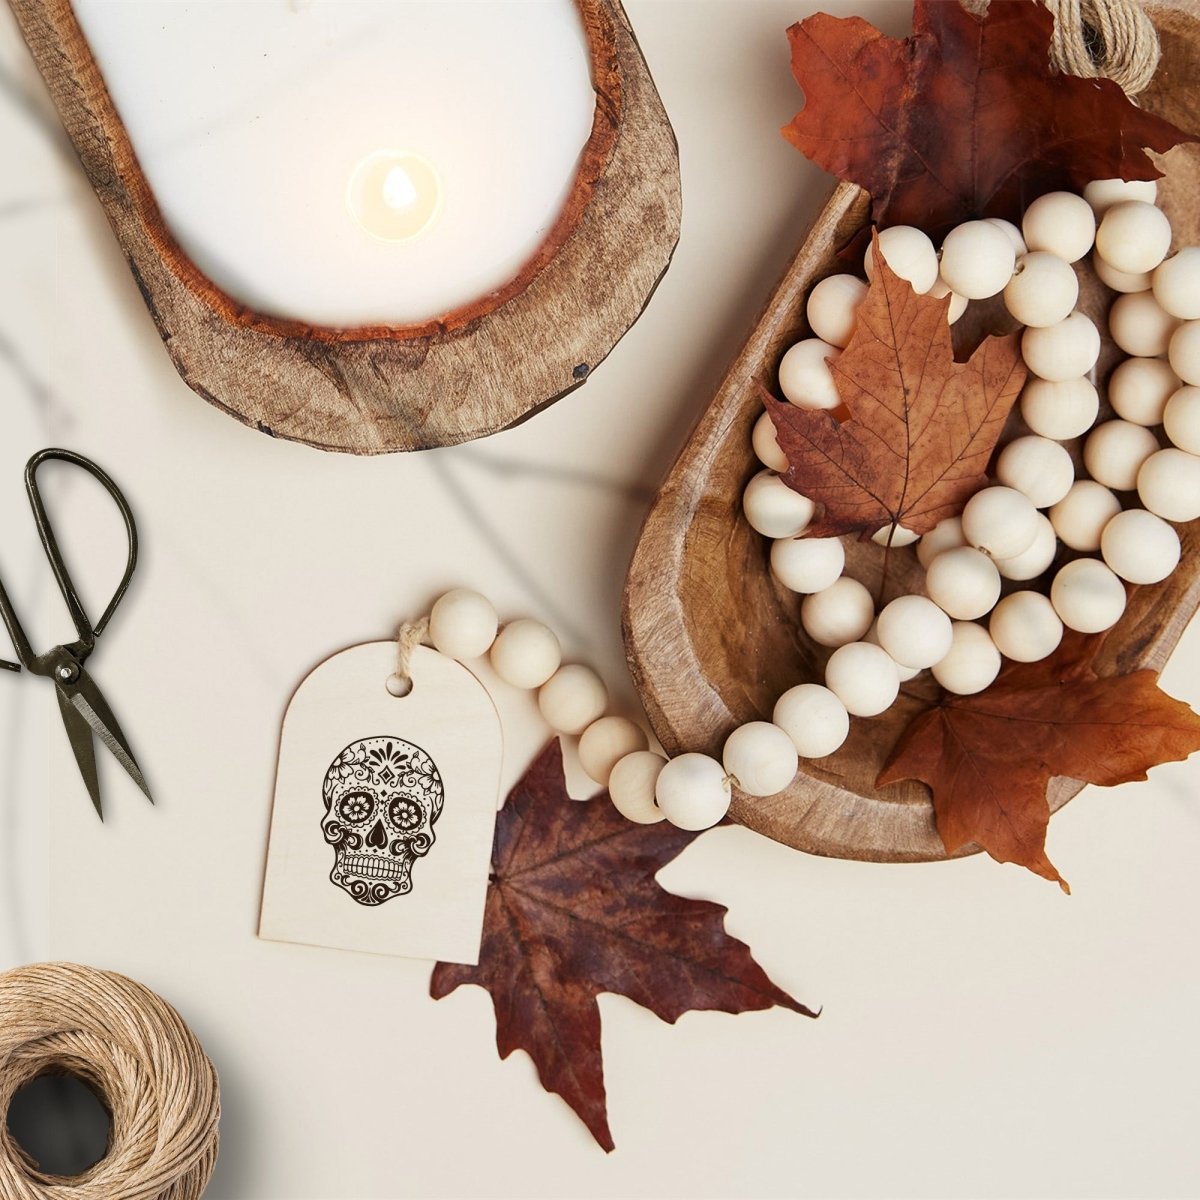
(352, 162)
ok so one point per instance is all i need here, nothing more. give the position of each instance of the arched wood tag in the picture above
(381, 834)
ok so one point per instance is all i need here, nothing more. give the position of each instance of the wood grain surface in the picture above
(712, 640)
(373, 390)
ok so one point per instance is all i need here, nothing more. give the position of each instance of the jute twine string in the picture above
(408, 637)
(1109, 39)
(145, 1065)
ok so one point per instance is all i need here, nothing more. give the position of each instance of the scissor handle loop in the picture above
(86, 630)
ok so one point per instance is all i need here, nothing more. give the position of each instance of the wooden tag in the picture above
(381, 834)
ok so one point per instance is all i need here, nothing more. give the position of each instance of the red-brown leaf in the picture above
(965, 118)
(989, 758)
(922, 426)
(573, 910)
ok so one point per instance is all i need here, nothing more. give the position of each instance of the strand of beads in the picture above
(1012, 530)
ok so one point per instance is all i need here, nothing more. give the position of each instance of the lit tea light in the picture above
(394, 195)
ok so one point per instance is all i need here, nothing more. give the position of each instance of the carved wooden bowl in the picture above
(370, 390)
(713, 640)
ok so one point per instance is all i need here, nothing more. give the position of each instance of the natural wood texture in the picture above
(372, 390)
(712, 640)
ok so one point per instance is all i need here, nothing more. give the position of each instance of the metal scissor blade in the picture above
(86, 698)
(79, 734)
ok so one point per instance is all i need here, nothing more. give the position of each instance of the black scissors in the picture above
(85, 712)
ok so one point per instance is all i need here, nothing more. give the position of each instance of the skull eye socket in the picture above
(356, 807)
(406, 815)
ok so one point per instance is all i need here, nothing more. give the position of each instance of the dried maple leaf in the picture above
(965, 118)
(573, 910)
(988, 758)
(922, 426)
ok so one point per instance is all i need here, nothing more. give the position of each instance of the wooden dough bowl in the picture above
(371, 390)
(713, 640)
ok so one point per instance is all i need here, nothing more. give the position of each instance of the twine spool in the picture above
(1107, 39)
(145, 1065)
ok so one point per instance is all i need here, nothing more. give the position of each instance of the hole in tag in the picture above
(398, 686)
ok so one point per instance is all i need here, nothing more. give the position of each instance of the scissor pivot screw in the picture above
(68, 672)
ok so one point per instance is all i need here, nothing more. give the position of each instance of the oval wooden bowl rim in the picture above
(689, 711)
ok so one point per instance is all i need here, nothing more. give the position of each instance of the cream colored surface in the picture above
(982, 1035)
(450, 716)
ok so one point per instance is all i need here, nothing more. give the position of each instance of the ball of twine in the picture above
(144, 1064)
(1106, 39)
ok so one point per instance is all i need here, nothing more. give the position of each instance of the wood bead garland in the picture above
(1001, 534)
(1008, 531)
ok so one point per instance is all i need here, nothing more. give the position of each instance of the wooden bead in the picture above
(1043, 289)
(1177, 284)
(905, 673)
(894, 535)
(1062, 224)
(1080, 516)
(774, 509)
(1181, 419)
(977, 260)
(958, 304)
(1121, 281)
(832, 307)
(1184, 352)
(765, 443)
(693, 791)
(1025, 627)
(973, 662)
(605, 742)
(1029, 564)
(1139, 390)
(462, 624)
(807, 565)
(1139, 546)
(1102, 194)
(1000, 521)
(964, 583)
(1013, 234)
(1169, 485)
(760, 757)
(814, 718)
(1114, 453)
(526, 653)
(1065, 350)
(631, 786)
(1087, 596)
(909, 253)
(1060, 409)
(1133, 236)
(1037, 467)
(804, 375)
(1140, 326)
(572, 698)
(863, 677)
(838, 614)
(914, 631)
(945, 535)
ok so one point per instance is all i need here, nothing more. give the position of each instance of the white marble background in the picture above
(982, 1035)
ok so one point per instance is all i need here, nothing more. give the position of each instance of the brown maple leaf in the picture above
(989, 758)
(573, 910)
(965, 118)
(922, 426)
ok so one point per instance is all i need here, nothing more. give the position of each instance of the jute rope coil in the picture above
(1108, 39)
(145, 1065)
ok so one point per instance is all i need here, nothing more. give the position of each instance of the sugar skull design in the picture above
(382, 799)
